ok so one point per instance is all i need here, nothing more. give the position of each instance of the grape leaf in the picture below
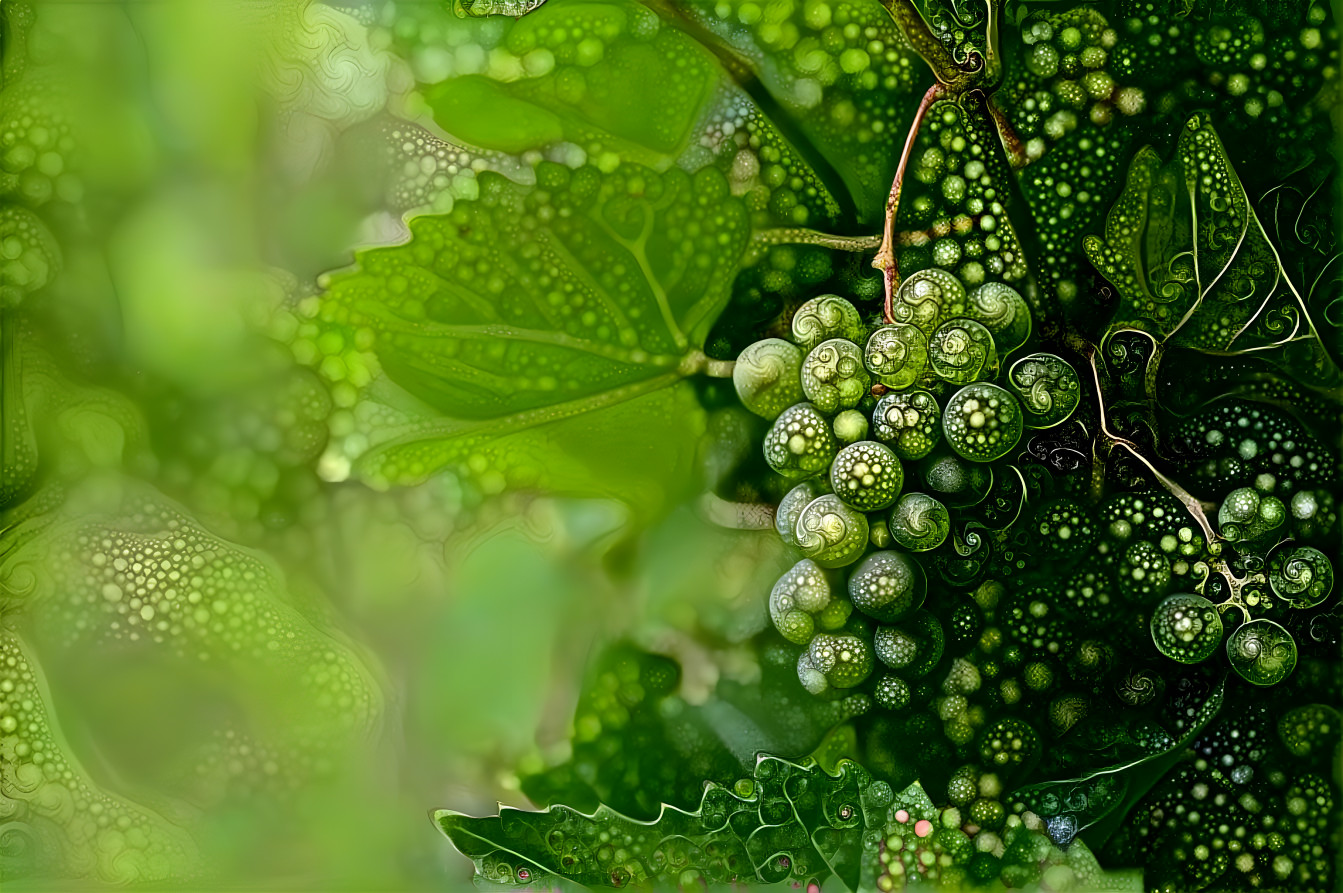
(1084, 87)
(788, 822)
(638, 743)
(1083, 805)
(556, 320)
(1194, 267)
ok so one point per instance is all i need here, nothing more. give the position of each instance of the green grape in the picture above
(888, 586)
(988, 814)
(961, 351)
(831, 533)
(831, 661)
(1308, 729)
(1008, 744)
(798, 599)
(1248, 517)
(891, 693)
(897, 355)
(1064, 530)
(955, 482)
(800, 444)
(1262, 652)
(914, 647)
(919, 522)
(867, 475)
(1302, 577)
(1002, 310)
(926, 298)
(1048, 388)
(963, 786)
(1144, 573)
(834, 377)
(29, 255)
(825, 317)
(1313, 514)
(792, 504)
(908, 422)
(850, 426)
(766, 376)
(982, 422)
(1186, 628)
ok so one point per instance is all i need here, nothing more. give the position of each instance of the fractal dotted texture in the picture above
(808, 445)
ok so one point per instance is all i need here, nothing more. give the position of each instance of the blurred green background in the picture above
(387, 652)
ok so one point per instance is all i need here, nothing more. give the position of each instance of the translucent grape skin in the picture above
(802, 600)
(918, 522)
(961, 351)
(791, 506)
(800, 444)
(909, 422)
(825, 317)
(1262, 652)
(867, 475)
(982, 422)
(831, 533)
(1047, 386)
(1186, 628)
(834, 661)
(888, 586)
(834, 377)
(766, 377)
(896, 355)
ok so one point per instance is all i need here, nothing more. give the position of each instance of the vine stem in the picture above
(696, 363)
(885, 259)
(736, 515)
(1191, 504)
(802, 236)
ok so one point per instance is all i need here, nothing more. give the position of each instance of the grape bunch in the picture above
(883, 430)
(1009, 619)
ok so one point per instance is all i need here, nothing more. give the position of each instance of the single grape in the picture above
(1008, 744)
(850, 426)
(1262, 652)
(914, 647)
(831, 533)
(29, 255)
(831, 661)
(800, 443)
(1144, 573)
(891, 693)
(1002, 310)
(897, 355)
(867, 475)
(801, 601)
(792, 504)
(982, 422)
(955, 482)
(825, 317)
(834, 377)
(767, 377)
(1048, 388)
(1186, 628)
(1248, 517)
(1302, 577)
(888, 586)
(961, 351)
(919, 522)
(909, 422)
(926, 298)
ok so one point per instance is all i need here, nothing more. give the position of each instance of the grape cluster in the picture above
(882, 430)
(1007, 622)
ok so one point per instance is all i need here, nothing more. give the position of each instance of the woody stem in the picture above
(885, 259)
